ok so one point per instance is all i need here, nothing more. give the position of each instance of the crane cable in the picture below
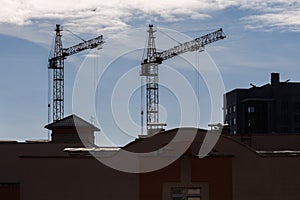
(197, 87)
(168, 36)
(51, 53)
(142, 106)
(142, 103)
(77, 36)
(49, 98)
(144, 56)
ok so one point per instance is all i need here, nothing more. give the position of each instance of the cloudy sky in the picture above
(262, 37)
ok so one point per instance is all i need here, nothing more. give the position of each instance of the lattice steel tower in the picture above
(149, 69)
(56, 62)
(58, 76)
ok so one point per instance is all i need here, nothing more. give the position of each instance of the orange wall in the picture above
(216, 171)
(151, 184)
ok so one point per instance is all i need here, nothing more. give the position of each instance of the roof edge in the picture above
(73, 116)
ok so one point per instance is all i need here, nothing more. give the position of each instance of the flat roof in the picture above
(279, 153)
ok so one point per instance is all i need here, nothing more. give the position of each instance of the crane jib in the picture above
(192, 45)
(90, 44)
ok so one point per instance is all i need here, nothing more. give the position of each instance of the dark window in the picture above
(284, 117)
(284, 105)
(284, 129)
(186, 193)
(284, 113)
(297, 130)
(297, 107)
(297, 118)
(10, 191)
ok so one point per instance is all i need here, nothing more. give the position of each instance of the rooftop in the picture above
(72, 121)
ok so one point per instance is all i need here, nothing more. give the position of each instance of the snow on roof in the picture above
(280, 153)
(92, 149)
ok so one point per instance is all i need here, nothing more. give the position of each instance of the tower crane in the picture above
(149, 69)
(56, 63)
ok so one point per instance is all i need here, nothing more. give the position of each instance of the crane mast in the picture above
(149, 69)
(57, 64)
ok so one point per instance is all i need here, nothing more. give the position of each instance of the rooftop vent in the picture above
(275, 80)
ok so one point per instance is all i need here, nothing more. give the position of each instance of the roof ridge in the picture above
(71, 121)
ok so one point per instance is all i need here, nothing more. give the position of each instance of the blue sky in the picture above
(262, 37)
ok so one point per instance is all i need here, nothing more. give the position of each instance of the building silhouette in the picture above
(271, 108)
(263, 167)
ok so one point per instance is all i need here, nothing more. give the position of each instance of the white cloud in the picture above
(273, 15)
(287, 20)
(106, 13)
(106, 17)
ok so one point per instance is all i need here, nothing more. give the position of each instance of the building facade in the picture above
(259, 168)
(271, 108)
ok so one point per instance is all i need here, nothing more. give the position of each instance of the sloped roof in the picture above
(72, 121)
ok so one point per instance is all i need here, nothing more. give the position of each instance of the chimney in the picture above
(275, 80)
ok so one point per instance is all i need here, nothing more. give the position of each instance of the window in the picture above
(182, 193)
(10, 191)
(297, 130)
(234, 108)
(284, 117)
(234, 121)
(251, 109)
(284, 129)
(284, 105)
(297, 118)
(297, 107)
